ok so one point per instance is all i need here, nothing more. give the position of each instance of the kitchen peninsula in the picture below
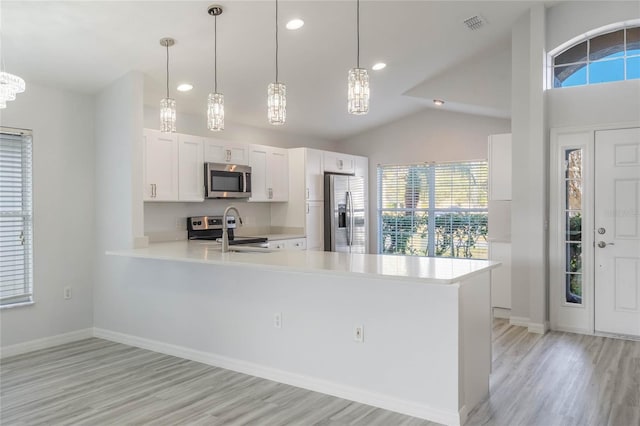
(424, 342)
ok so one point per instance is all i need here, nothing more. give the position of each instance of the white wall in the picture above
(63, 208)
(118, 165)
(428, 135)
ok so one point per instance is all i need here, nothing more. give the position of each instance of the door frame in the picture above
(564, 316)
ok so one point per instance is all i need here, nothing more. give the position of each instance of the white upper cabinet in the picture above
(269, 173)
(335, 162)
(160, 166)
(191, 168)
(220, 151)
(500, 167)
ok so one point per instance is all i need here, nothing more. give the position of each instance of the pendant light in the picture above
(277, 93)
(215, 102)
(358, 82)
(167, 105)
(10, 85)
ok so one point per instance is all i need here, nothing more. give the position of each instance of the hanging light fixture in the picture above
(167, 105)
(10, 85)
(277, 92)
(358, 83)
(215, 102)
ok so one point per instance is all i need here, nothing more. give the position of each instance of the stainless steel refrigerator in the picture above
(345, 204)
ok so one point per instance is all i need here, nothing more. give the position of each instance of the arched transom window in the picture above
(612, 56)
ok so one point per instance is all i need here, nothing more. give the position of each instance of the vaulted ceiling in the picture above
(429, 52)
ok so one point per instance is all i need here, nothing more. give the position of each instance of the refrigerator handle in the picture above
(349, 207)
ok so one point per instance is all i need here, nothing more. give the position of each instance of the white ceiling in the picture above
(84, 45)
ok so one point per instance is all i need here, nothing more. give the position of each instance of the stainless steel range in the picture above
(210, 228)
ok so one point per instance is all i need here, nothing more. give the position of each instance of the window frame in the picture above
(431, 211)
(27, 297)
(587, 37)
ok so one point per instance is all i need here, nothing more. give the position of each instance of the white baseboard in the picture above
(46, 342)
(503, 313)
(363, 396)
(519, 321)
(539, 328)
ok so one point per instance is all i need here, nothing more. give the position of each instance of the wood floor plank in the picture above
(559, 379)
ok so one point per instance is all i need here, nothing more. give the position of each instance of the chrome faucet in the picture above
(225, 229)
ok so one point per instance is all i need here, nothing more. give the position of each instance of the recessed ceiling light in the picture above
(438, 102)
(378, 66)
(295, 24)
(185, 87)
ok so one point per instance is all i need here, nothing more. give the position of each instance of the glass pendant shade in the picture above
(358, 91)
(10, 85)
(215, 112)
(277, 103)
(167, 115)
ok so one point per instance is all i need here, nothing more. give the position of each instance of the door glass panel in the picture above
(573, 226)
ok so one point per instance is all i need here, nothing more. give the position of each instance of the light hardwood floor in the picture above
(556, 379)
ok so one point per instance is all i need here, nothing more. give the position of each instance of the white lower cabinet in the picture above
(291, 244)
(501, 277)
(314, 225)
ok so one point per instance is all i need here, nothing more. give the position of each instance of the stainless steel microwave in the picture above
(227, 180)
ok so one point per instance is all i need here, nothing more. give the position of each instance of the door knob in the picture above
(602, 244)
(601, 231)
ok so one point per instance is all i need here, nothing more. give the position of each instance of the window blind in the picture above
(433, 209)
(16, 236)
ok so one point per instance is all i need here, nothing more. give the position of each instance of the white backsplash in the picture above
(168, 221)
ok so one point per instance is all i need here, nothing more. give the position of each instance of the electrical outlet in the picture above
(277, 320)
(358, 334)
(67, 293)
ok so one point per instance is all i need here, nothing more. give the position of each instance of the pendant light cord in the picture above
(215, 54)
(167, 45)
(276, 41)
(358, 32)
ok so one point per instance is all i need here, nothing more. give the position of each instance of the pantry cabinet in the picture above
(335, 162)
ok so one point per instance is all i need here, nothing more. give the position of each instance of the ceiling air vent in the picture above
(475, 22)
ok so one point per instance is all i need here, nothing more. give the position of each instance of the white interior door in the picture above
(617, 231)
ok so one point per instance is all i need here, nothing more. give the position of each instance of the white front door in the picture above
(617, 231)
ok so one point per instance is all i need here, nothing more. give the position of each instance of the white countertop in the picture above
(410, 268)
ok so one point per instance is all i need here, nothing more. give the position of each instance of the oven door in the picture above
(227, 181)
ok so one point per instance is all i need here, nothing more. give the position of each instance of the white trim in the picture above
(504, 313)
(45, 342)
(363, 396)
(519, 321)
(538, 328)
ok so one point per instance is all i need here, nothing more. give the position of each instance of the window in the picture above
(16, 281)
(613, 56)
(433, 209)
(573, 225)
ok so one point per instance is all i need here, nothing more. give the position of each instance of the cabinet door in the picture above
(219, 151)
(500, 167)
(314, 225)
(314, 174)
(501, 276)
(160, 164)
(258, 159)
(277, 175)
(338, 163)
(191, 168)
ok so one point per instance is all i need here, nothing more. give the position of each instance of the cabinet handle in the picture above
(228, 155)
(339, 164)
(153, 190)
(307, 208)
(270, 193)
(307, 193)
